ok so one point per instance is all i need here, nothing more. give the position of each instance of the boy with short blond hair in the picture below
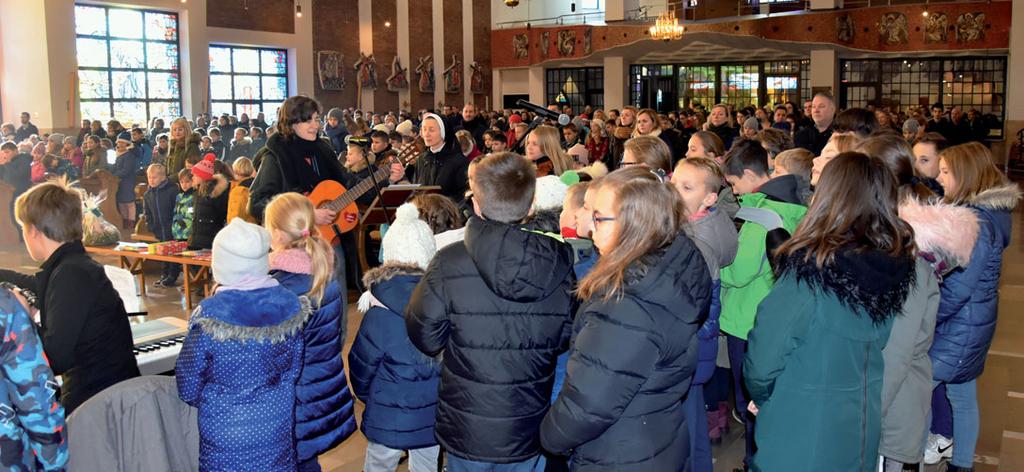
(84, 327)
(158, 207)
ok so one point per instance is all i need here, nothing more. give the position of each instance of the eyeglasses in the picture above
(599, 219)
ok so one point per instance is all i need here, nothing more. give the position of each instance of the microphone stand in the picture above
(533, 125)
(376, 186)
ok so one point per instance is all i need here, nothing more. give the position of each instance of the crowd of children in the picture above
(544, 314)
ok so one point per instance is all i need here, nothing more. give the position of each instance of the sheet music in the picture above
(124, 282)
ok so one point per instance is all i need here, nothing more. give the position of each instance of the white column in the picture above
(366, 47)
(402, 25)
(825, 4)
(1015, 68)
(536, 86)
(615, 82)
(440, 62)
(825, 70)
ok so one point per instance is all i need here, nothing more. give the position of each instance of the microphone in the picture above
(538, 110)
(357, 140)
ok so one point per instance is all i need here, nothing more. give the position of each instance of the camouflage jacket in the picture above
(184, 208)
(32, 435)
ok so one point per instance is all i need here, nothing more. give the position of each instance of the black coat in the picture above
(447, 168)
(210, 214)
(85, 329)
(158, 206)
(18, 173)
(811, 139)
(499, 307)
(630, 366)
(25, 131)
(476, 127)
(281, 170)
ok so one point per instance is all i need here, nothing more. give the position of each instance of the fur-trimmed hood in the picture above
(220, 186)
(245, 140)
(1004, 197)
(389, 285)
(269, 314)
(947, 232)
(869, 281)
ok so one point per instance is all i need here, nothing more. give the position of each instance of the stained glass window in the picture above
(247, 80)
(128, 64)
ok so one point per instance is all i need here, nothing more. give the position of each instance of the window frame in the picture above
(949, 67)
(145, 70)
(591, 83)
(801, 75)
(235, 102)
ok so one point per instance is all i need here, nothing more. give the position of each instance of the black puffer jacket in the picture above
(210, 214)
(621, 408)
(499, 307)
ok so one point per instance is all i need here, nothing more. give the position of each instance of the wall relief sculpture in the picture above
(330, 70)
(893, 29)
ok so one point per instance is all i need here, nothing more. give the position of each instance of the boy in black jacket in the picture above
(84, 327)
(499, 307)
(158, 206)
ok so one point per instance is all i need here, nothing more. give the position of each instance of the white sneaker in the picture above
(939, 447)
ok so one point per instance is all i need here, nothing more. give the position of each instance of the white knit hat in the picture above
(240, 251)
(550, 193)
(409, 239)
(404, 128)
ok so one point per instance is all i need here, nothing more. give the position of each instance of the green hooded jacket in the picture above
(749, 278)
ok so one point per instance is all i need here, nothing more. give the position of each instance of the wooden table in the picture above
(132, 261)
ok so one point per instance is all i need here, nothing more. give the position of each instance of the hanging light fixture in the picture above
(298, 10)
(667, 27)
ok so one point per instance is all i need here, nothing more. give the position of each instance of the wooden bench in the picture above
(8, 227)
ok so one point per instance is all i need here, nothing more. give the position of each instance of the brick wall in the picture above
(336, 28)
(385, 48)
(482, 48)
(421, 43)
(277, 16)
(453, 45)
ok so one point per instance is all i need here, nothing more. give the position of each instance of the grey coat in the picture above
(103, 432)
(944, 234)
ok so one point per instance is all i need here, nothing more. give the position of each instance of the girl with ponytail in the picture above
(302, 262)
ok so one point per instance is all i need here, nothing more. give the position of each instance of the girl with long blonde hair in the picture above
(302, 261)
(544, 148)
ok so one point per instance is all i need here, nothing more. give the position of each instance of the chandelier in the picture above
(667, 27)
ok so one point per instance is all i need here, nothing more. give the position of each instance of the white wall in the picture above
(533, 10)
(37, 38)
(25, 72)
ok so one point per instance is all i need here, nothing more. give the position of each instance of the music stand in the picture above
(383, 208)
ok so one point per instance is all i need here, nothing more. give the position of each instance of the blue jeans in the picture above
(458, 464)
(696, 415)
(963, 400)
(737, 351)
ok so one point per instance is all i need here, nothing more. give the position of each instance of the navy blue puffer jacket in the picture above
(630, 366)
(397, 382)
(324, 415)
(966, 320)
(238, 367)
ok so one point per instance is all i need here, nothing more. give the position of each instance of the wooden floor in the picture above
(1000, 388)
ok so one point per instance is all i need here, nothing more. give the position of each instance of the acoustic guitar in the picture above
(333, 196)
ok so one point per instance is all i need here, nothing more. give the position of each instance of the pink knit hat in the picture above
(203, 170)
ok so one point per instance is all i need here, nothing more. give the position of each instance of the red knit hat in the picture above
(203, 170)
(515, 118)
